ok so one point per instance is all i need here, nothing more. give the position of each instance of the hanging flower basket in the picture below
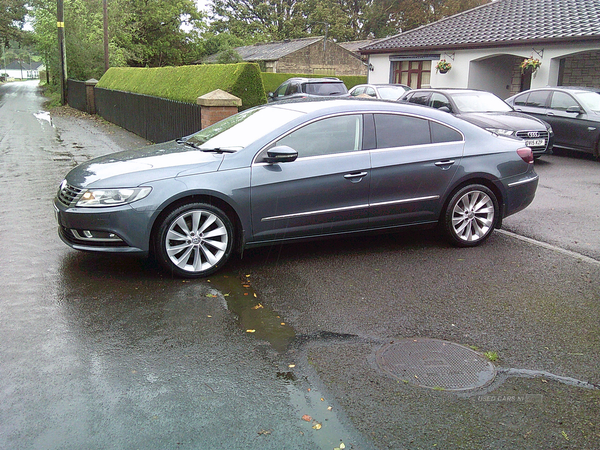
(530, 65)
(443, 66)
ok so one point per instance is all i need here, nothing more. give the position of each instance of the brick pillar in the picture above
(217, 105)
(90, 99)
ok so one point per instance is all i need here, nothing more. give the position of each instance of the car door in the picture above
(324, 191)
(534, 103)
(412, 166)
(571, 129)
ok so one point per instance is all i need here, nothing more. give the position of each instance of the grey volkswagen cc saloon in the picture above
(295, 170)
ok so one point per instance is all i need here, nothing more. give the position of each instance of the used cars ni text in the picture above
(573, 112)
(294, 170)
(488, 111)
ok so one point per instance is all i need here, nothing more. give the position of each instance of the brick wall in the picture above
(582, 69)
(335, 60)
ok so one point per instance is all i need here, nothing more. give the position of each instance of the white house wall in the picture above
(488, 69)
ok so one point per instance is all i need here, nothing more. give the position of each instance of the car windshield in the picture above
(325, 88)
(238, 131)
(391, 92)
(469, 102)
(590, 100)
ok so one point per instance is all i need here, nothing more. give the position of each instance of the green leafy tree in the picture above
(152, 32)
(12, 20)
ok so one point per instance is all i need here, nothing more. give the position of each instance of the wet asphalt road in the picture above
(105, 352)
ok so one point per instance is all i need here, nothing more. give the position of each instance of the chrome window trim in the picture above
(363, 113)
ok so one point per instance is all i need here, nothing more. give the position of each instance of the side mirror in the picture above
(574, 110)
(281, 154)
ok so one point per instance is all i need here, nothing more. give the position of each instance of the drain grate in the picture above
(435, 364)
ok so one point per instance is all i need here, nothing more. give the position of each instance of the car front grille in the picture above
(529, 135)
(69, 195)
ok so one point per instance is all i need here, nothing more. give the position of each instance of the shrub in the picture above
(187, 83)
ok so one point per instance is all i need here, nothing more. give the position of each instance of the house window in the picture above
(415, 74)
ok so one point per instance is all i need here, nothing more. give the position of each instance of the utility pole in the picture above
(105, 7)
(60, 18)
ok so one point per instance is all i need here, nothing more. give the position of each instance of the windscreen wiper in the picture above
(215, 149)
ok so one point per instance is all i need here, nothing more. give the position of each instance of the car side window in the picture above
(441, 133)
(521, 100)
(394, 130)
(562, 101)
(338, 134)
(537, 99)
(280, 92)
(359, 90)
(294, 88)
(370, 92)
(420, 98)
(439, 101)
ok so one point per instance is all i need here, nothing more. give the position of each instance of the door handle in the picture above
(355, 177)
(446, 163)
(550, 114)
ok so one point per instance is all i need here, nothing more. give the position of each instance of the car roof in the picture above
(449, 90)
(323, 106)
(316, 80)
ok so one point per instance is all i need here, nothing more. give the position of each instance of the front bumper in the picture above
(115, 230)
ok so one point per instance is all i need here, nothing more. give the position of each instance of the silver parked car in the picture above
(380, 91)
(295, 170)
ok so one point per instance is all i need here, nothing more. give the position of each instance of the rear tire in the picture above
(194, 240)
(470, 216)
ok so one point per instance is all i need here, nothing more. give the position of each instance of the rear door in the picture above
(413, 164)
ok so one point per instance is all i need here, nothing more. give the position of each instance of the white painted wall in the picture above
(470, 68)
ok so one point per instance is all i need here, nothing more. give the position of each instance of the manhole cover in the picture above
(435, 364)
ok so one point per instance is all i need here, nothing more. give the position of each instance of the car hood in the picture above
(134, 167)
(504, 120)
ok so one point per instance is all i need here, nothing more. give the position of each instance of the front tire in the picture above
(194, 240)
(471, 215)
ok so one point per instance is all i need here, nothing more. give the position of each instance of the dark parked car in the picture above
(573, 112)
(296, 88)
(488, 111)
(380, 91)
(295, 170)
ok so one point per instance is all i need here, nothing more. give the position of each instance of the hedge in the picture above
(187, 83)
(271, 81)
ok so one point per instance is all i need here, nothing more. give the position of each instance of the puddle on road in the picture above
(43, 116)
(251, 314)
(317, 419)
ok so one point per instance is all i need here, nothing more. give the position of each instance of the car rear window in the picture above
(325, 88)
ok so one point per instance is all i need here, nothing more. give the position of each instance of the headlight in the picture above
(501, 132)
(112, 197)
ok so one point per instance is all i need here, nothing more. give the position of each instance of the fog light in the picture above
(96, 236)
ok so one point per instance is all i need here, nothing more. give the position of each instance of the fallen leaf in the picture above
(291, 366)
(307, 418)
(250, 331)
(329, 408)
(259, 306)
(317, 426)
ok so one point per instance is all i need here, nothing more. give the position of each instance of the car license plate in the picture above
(535, 142)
